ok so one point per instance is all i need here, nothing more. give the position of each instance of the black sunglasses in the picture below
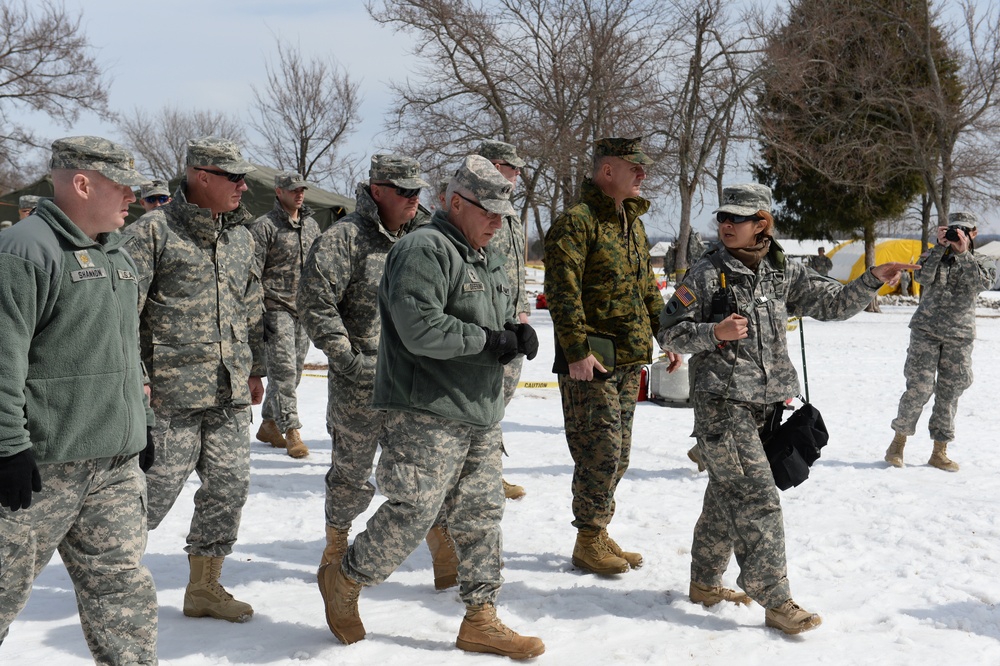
(405, 192)
(231, 177)
(508, 165)
(735, 219)
(157, 199)
(474, 203)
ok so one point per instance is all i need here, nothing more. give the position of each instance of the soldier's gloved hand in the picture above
(148, 455)
(502, 343)
(527, 340)
(18, 478)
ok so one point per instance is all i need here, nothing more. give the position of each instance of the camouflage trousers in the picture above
(598, 416)
(285, 353)
(428, 463)
(93, 512)
(215, 443)
(356, 430)
(511, 376)
(741, 512)
(941, 367)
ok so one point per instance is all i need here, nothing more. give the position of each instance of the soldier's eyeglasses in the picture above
(405, 192)
(508, 165)
(735, 219)
(231, 177)
(158, 199)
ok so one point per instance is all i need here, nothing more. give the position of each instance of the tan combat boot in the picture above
(894, 454)
(791, 618)
(940, 458)
(205, 596)
(444, 557)
(695, 456)
(336, 546)
(592, 554)
(709, 595)
(481, 631)
(634, 559)
(512, 491)
(342, 609)
(293, 442)
(269, 434)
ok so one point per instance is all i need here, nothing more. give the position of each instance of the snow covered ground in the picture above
(901, 563)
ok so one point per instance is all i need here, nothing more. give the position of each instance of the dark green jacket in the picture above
(436, 296)
(598, 277)
(70, 379)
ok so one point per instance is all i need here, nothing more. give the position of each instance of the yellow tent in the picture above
(849, 258)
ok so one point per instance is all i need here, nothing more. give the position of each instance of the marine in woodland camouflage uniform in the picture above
(443, 303)
(73, 403)
(283, 239)
(598, 279)
(942, 331)
(200, 310)
(338, 302)
(739, 381)
(509, 242)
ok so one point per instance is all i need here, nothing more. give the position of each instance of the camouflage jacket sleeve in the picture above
(325, 277)
(813, 295)
(254, 298)
(566, 248)
(262, 231)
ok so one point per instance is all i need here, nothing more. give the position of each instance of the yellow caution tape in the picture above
(537, 385)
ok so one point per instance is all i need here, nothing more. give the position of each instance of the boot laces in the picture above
(493, 626)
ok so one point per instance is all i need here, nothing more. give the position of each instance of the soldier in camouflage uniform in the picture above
(821, 263)
(338, 301)
(509, 242)
(283, 239)
(598, 279)
(942, 330)
(154, 194)
(74, 416)
(200, 311)
(447, 325)
(742, 374)
(26, 204)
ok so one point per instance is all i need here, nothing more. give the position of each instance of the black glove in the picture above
(148, 455)
(527, 341)
(18, 477)
(502, 343)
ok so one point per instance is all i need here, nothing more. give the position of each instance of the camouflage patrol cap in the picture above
(399, 170)
(745, 199)
(92, 153)
(963, 218)
(498, 151)
(27, 201)
(212, 151)
(290, 180)
(154, 188)
(478, 175)
(629, 150)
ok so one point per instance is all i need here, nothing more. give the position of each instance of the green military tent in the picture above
(259, 198)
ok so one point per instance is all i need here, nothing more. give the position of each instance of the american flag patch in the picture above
(685, 296)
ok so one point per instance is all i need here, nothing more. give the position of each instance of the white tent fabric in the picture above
(660, 249)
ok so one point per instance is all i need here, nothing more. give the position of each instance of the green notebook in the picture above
(603, 349)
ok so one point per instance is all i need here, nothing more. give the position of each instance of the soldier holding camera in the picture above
(939, 359)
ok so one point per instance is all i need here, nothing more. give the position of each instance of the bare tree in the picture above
(549, 76)
(159, 140)
(961, 99)
(716, 61)
(304, 113)
(46, 67)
